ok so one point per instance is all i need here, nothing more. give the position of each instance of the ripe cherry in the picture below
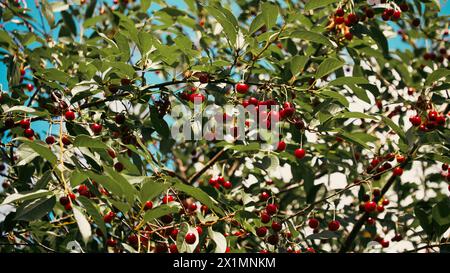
(167, 199)
(370, 206)
(276, 226)
(271, 209)
(339, 20)
(398, 171)
(227, 185)
(400, 158)
(69, 115)
(197, 97)
(173, 248)
(119, 118)
(370, 221)
(313, 223)
(111, 242)
(64, 200)
(192, 207)
(340, 12)
(190, 238)
(109, 217)
(444, 166)
(96, 128)
(30, 87)
(380, 208)
(148, 205)
(50, 140)
(203, 78)
(264, 196)
(415, 120)
(334, 225)
(65, 140)
(28, 132)
(261, 231)
(300, 153)
(384, 243)
(118, 166)
(273, 239)
(396, 15)
(281, 146)
(348, 36)
(265, 217)
(432, 115)
(199, 230)
(25, 123)
(242, 88)
(385, 202)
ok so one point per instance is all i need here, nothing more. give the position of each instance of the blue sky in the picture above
(41, 127)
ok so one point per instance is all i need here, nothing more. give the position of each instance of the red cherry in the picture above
(264, 196)
(281, 146)
(300, 153)
(199, 230)
(203, 78)
(276, 226)
(271, 209)
(370, 206)
(384, 243)
(444, 166)
(397, 14)
(72, 196)
(273, 239)
(70, 115)
(227, 185)
(173, 248)
(400, 158)
(193, 207)
(22, 72)
(334, 225)
(109, 217)
(64, 200)
(339, 20)
(28, 132)
(310, 250)
(30, 87)
(397, 238)
(111, 242)
(389, 11)
(190, 238)
(340, 12)
(118, 166)
(432, 115)
(415, 120)
(370, 221)
(397, 171)
(351, 19)
(96, 128)
(68, 207)
(25, 123)
(261, 231)
(253, 101)
(313, 223)
(242, 88)
(348, 36)
(385, 202)
(380, 208)
(66, 140)
(119, 118)
(220, 180)
(265, 217)
(197, 97)
(167, 199)
(148, 205)
(212, 181)
(50, 140)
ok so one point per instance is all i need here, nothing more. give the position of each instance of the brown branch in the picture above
(211, 162)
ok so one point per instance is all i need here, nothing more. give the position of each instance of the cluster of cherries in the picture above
(220, 181)
(433, 120)
(379, 164)
(431, 56)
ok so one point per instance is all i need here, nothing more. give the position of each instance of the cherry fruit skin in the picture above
(313, 223)
(30, 87)
(265, 217)
(25, 123)
(69, 115)
(398, 171)
(271, 209)
(227, 185)
(415, 120)
(167, 199)
(119, 118)
(96, 128)
(273, 239)
(261, 231)
(50, 140)
(334, 225)
(264, 196)
(281, 146)
(28, 132)
(276, 226)
(370, 206)
(300, 153)
(148, 205)
(190, 238)
(118, 166)
(242, 88)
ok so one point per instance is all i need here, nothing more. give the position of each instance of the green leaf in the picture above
(56, 75)
(201, 196)
(36, 209)
(355, 139)
(353, 115)
(256, 24)
(312, 37)
(219, 240)
(298, 63)
(42, 150)
(152, 189)
(69, 22)
(92, 210)
(18, 197)
(83, 224)
(28, 110)
(349, 81)
(437, 75)
(227, 20)
(422, 210)
(395, 127)
(270, 14)
(160, 211)
(314, 4)
(360, 93)
(441, 212)
(328, 66)
(89, 142)
(335, 95)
